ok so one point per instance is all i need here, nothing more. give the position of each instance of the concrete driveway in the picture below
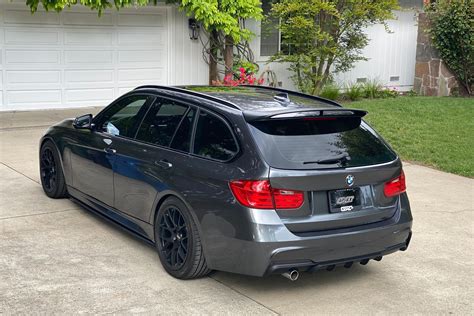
(58, 258)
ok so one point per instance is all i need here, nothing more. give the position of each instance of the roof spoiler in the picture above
(323, 113)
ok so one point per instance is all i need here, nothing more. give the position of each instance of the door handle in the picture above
(110, 150)
(165, 164)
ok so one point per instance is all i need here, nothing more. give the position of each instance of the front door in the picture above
(93, 152)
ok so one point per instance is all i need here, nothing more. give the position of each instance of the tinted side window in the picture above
(182, 138)
(124, 117)
(161, 122)
(214, 138)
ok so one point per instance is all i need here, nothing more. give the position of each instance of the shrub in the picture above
(354, 91)
(452, 25)
(330, 91)
(388, 93)
(411, 93)
(372, 89)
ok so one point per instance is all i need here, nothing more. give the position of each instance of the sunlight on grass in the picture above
(437, 132)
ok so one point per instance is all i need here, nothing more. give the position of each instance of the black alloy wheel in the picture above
(178, 242)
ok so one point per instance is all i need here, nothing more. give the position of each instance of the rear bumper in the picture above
(279, 267)
(274, 249)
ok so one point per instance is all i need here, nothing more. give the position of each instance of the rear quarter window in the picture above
(307, 144)
(214, 139)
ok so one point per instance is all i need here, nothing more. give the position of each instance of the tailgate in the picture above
(316, 214)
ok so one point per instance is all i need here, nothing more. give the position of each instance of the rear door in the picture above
(155, 159)
(339, 163)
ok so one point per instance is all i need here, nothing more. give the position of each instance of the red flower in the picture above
(251, 79)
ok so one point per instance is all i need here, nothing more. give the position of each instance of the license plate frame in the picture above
(344, 200)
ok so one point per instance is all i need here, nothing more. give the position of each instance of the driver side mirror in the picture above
(83, 122)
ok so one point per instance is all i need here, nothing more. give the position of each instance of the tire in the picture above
(178, 242)
(51, 172)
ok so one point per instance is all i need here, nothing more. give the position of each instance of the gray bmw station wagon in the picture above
(250, 180)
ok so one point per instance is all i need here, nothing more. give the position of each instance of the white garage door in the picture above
(75, 59)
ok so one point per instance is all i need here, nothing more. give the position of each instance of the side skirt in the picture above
(137, 228)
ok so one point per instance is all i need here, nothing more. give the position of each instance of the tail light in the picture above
(396, 186)
(259, 194)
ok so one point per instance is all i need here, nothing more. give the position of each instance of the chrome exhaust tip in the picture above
(291, 275)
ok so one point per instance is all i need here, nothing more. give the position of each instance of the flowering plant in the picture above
(242, 78)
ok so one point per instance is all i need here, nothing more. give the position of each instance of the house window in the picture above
(270, 33)
(272, 41)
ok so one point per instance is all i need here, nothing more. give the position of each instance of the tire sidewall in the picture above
(191, 229)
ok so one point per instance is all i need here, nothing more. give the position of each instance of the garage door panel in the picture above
(31, 57)
(147, 74)
(87, 18)
(124, 90)
(130, 19)
(89, 96)
(91, 37)
(140, 56)
(88, 57)
(29, 36)
(33, 98)
(88, 76)
(14, 16)
(77, 59)
(141, 38)
(33, 79)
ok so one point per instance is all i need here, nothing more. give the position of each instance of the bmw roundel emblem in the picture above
(350, 180)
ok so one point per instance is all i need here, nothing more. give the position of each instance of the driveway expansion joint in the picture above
(38, 214)
(9, 167)
(244, 295)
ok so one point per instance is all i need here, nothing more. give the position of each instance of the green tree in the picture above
(452, 32)
(220, 18)
(325, 36)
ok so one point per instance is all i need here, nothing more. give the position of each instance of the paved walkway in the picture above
(58, 258)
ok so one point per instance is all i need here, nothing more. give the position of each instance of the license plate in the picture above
(345, 200)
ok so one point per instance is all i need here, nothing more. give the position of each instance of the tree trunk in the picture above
(318, 83)
(229, 54)
(213, 51)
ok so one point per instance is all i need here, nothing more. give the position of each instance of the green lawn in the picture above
(437, 132)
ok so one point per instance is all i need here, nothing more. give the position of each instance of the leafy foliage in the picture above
(325, 36)
(354, 91)
(223, 15)
(330, 91)
(371, 89)
(452, 32)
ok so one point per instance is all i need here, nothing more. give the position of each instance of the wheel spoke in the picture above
(181, 253)
(173, 236)
(48, 169)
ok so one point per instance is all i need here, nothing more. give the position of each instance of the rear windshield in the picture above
(308, 143)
